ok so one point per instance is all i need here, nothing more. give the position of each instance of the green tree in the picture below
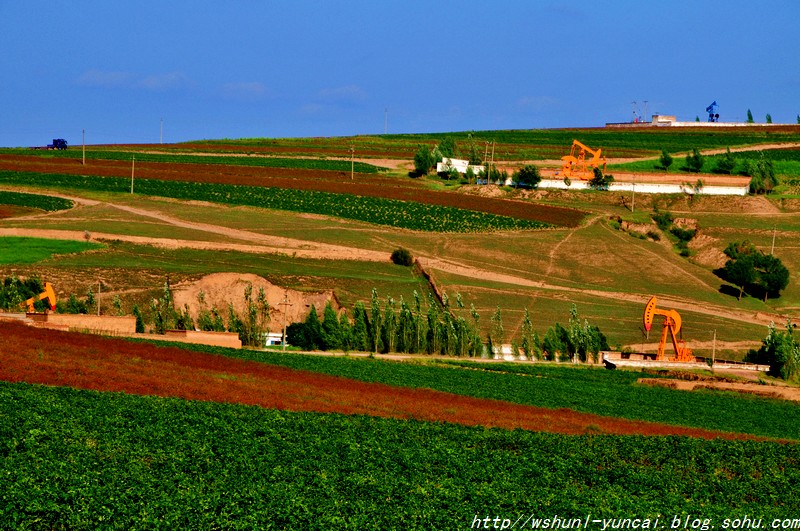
(375, 323)
(527, 336)
(769, 118)
(741, 272)
(600, 181)
(781, 351)
(726, 163)
(345, 332)
(389, 326)
(773, 277)
(528, 175)
(402, 257)
(665, 160)
(163, 311)
(330, 332)
(750, 117)
(183, 319)
(474, 151)
(750, 268)
(448, 147)
(312, 330)
(139, 321)
(497, 333)
(695, 161)
(361, 327)
(423, 160)
(762, 175)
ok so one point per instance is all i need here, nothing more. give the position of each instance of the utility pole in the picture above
(772, 251)
(84, 148)
(285, 303)
(714, 349)
(352, 154)
(493, 154)
(133, 167)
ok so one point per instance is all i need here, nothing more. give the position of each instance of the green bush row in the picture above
(43, 202)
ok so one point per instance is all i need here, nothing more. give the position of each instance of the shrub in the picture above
(695, 161)
(402, 257)
(665, 160)
(663, 219)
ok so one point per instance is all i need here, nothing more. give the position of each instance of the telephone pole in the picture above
(772, 251)
(285, 304)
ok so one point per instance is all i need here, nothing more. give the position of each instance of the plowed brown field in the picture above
(368, 185)
(84, 361)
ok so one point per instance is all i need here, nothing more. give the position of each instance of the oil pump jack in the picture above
(713, 115)
(48, 294)
(672, 327)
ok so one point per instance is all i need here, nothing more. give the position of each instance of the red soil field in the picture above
(51, 357)
(368, 185)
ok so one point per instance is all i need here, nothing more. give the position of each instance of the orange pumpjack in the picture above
(672, 326)
(48, 294)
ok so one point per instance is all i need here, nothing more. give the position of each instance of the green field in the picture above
(19, 250)
(552, 385)
(86, 460)
(378, 210)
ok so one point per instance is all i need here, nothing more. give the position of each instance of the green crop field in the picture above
(42, 202)
(19, 250)
(587, 389)
(86, 460)
(381, 211)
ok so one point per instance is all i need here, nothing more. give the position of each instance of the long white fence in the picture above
(646, 188)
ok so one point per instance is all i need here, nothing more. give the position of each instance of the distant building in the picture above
(273, 338)
(459, 165)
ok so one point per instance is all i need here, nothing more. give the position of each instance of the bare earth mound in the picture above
(105, 364)
(221, 289)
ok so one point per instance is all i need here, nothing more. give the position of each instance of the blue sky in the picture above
(239, 69)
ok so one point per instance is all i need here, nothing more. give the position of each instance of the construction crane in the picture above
(713, 116)
(576, 165)
(49, 294)
(672, 327)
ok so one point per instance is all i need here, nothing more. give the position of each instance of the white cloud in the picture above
(345, 93)
(537, 103)
(99, 78)
(120, 79)
(247, 91)
(170, 80)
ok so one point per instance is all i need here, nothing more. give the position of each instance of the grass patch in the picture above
(20, 250)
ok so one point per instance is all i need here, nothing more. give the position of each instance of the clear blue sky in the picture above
(236, 69)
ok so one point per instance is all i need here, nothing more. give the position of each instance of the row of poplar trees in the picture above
(443, 329)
